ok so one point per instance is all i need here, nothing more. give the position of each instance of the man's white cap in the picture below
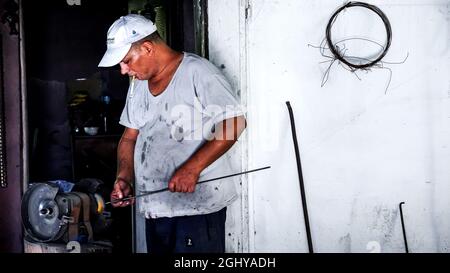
(122, 33)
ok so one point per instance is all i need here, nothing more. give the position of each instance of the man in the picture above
(180, 118)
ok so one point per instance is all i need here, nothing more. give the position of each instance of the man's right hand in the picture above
(121, 190)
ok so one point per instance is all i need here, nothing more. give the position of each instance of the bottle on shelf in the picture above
(105, 115)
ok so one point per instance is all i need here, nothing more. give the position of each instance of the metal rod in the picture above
(200, 182)
(133, 230)
(300, 177)
(403, 226)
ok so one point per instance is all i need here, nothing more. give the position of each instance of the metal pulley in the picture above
(50, 215)
(41, 213)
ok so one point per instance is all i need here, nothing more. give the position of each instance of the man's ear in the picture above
(148, 47)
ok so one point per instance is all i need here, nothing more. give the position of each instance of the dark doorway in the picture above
(67, 92)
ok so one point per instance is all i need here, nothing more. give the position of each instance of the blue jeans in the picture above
(187, 234)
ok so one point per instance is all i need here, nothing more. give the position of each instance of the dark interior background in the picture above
(63, 45)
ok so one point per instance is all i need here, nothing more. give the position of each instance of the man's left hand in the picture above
(184, 180)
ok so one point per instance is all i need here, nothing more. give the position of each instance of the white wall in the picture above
(363, 151)
(224, 37)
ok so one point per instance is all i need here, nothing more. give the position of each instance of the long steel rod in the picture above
(403, 226)
(200, 182)
(300, 177)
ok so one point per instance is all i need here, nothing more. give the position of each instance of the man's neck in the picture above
(169, 64)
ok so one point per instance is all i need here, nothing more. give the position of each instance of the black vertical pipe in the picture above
(300, 177)
(403, 227)
(3, 162)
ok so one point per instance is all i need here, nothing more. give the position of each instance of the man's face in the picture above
(137, 63)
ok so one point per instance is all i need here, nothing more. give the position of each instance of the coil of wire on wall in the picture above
(337, 50)
(340, 53)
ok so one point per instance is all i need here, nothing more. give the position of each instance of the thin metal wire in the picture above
(338, 53)
(200, 182)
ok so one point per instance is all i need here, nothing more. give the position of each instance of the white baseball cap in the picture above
(123, 32)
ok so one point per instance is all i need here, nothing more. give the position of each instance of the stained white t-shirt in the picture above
(173, 126)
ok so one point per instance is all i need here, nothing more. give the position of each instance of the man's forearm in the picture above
(227, 133)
